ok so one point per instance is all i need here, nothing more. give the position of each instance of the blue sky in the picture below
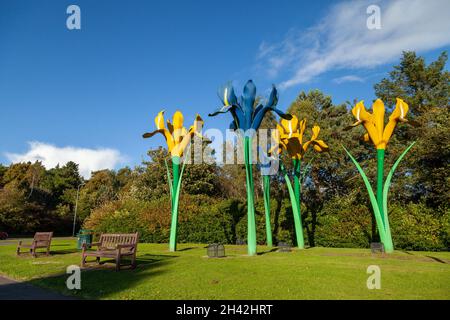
(91, 93)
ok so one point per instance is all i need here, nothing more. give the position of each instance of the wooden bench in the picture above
(113, 246)
(40, 240)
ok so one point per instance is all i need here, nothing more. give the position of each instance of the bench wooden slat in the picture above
(107, 246)
(40, 240)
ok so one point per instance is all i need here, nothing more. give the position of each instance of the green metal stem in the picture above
(266, 193)
(173, 227)
(251, 223)
(380, 178)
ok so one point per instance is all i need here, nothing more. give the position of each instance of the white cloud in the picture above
(88, 159)
(348, 78)
(342, 40)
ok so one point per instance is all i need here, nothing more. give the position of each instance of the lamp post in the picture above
(76, 209)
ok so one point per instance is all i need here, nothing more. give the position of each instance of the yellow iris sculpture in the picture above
(379, 135)
(289, 137)
(178, 138)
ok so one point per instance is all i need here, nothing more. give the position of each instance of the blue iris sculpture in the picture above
(247, 116)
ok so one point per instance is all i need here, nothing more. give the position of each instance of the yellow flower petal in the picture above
(321, 144)
(178, 120)
(178, 127)
(179, 148)
(306, 145)
(399, 114)
(372, 131)
(302, 129)
(366, 137)
(378, 118)
(360, 113)
(318, 148)
(278, 133)
(290, 126)
(315, 130)
(159, 120)
(364, 117)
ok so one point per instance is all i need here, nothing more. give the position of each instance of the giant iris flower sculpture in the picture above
(248, 117)
(289, 137)
(380, 135)
(177, 138)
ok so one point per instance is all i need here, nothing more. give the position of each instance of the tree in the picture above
(3, 170)
(421, 86)
(427, 91)
(102, 188)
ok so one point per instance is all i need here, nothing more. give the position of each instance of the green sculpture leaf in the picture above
(373, 199)
(295, 209)
(387, 184)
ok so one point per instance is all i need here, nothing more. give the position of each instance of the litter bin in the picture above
(84, 236)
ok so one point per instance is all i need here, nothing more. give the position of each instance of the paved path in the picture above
(14, 290)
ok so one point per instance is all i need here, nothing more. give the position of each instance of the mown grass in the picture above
(316, 273)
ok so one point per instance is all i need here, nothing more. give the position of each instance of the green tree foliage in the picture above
(421, 86)
(26, 201)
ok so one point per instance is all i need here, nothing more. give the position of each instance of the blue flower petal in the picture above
(227, 91)
(273, 98)
(248, 100)
(255, 112)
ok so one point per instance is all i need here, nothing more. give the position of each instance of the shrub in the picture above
(152, 218)
(416, 227)
(343, 223)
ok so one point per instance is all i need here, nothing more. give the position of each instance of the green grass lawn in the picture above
(317, 273)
